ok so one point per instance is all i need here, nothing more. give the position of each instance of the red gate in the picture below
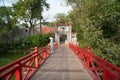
(25, 67)
(98, 68)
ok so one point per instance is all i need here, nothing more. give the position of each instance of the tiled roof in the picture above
(47, 29)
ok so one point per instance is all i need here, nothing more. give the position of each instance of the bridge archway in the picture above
(63, 33)
(62, 38)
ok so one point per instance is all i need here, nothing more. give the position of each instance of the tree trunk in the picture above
(31, 26)
(40, 27)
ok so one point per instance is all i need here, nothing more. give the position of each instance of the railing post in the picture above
(44, 54)
(106, 75)
(36, 58)
(88, 57)
(48, 48)
(77, 49)
(18, 72)
(87, 61)
(88, 49)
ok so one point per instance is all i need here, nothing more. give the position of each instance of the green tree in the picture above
(97, 25)
(30, 11)
(61, 18)
(7, 20)
(7, 25)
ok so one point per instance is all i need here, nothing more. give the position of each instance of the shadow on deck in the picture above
(62, 65)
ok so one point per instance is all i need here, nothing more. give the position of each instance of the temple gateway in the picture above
(64, 34)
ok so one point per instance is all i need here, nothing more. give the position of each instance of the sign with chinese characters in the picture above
(63, 28)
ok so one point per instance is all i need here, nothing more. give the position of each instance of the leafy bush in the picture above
(37, 40)
(19, 47)
(93, 37)
(25, 43)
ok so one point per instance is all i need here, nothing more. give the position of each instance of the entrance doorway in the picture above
(62, 38)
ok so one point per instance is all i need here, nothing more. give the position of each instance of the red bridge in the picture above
(62, 65)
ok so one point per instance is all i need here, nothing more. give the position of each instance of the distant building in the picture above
(63, 34)
(47, 29)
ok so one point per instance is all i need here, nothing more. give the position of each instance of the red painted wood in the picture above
(96, 66)
(18, 72)
(25, 67)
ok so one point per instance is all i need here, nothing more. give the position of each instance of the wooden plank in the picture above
(62, 65)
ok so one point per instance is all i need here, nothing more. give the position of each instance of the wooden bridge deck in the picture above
(62, 65)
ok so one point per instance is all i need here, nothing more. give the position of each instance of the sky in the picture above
(7, 2)
(56, 6)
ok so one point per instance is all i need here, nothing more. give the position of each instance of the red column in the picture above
(18, 72)
(36, 58)
(106, 75)
(88, 57)
(88, 49)
(44, 55)
(87, 61)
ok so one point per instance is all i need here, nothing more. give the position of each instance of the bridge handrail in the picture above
(25, 67)
(98, 68)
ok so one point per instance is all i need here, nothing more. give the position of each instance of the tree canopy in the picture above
(27, 13)
(30, 11)
(97, 23)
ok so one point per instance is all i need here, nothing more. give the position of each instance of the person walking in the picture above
(52, 50)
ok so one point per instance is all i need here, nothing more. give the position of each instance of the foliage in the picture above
(21, 46)
(27, 12)
(30, 12)
(97, 25)
(61, 18)
(37, 40)
(6, 19)
(7, 25)
(92, 36)
(30, 41)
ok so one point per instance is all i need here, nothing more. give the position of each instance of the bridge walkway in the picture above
(62, 65)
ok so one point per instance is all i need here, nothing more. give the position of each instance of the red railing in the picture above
(25, 67)
(98, 68)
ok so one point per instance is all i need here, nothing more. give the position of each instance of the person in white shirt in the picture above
(52, 50)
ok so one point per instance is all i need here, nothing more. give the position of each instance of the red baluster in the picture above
(106, 75)
(18, 72)
(87, 61)
(36, 58)
(44, 54)
(88, 57)
(88, 49)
